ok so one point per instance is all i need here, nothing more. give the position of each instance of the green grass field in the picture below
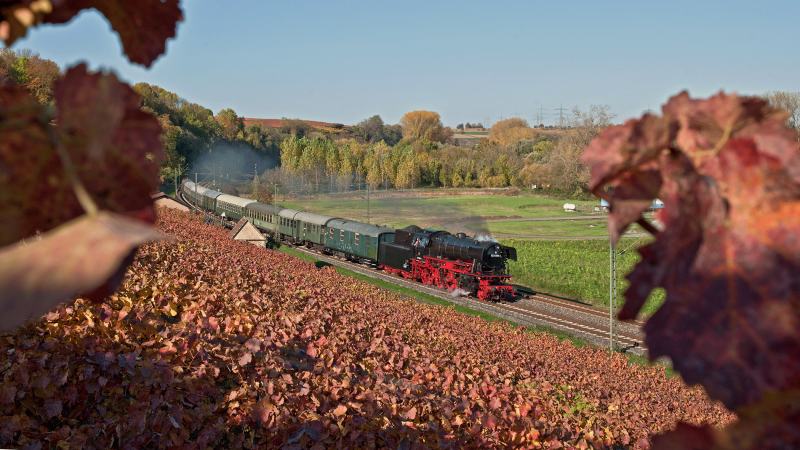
(577, 268)
(578, 227)
(410, 207)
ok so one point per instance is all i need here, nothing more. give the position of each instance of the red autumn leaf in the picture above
(74, 258)
(728, 255)
(108, 139)
(734, 272)
(340, 410)
(7, 392)
(143, 25)
(260, 412)
(411, 414)
(253, 344)
(245, 359)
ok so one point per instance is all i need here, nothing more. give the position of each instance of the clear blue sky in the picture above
(468, 61)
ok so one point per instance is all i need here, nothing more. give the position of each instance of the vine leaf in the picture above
(113, 146)
(143, 25)
(74, 258)
(747, 274)
(729, 257)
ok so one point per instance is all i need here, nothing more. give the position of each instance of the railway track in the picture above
(527, 308)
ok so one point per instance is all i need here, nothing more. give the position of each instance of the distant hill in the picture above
(276, 123)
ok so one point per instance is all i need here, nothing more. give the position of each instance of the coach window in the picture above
(367, 241)
(331, 233)
(341, 235)
(356, 238)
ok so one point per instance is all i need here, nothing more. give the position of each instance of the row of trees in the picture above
(415, 152)
(461, 126)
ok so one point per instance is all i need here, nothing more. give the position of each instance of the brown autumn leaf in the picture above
(143, 25)
(17, 15)
(113, 145)
(76, 257)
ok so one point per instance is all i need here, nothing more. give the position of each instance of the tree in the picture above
(392, 134)
(295, 127)
(425, 125)
(787, 101)
(460, 127)
(468, 125)
(232, 124)
(371, 129)
(509, 131)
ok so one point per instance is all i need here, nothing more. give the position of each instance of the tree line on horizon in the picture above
(417, 152)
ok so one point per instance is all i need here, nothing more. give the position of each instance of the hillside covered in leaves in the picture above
(216, 343)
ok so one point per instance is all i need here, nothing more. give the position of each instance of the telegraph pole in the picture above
(612, 294)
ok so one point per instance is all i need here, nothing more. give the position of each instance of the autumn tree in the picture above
(566, 169)
(425, 125)
(294, 127)
(232, 124)
(509, 131)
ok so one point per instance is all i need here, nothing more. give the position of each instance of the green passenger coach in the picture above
(356, 239)
(232, 207)
(311, 228)
(264, 216)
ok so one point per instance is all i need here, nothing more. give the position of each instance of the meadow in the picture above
(433, 209)
(578, 227)
(577, 268)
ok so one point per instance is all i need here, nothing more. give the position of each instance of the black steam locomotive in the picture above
(472, 266)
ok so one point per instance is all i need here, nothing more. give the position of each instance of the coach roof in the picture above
(316, 219)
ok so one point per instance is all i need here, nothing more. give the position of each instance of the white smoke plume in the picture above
(459, 292)
(485, 238)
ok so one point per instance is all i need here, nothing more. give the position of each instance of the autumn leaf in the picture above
(260, 412)
(411, 414)
(112, 145)
(735, 272)
(245, 359)
(76, 257)
(143, 25)
(340, 410)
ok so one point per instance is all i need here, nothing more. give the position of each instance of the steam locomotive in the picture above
(470, 266)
